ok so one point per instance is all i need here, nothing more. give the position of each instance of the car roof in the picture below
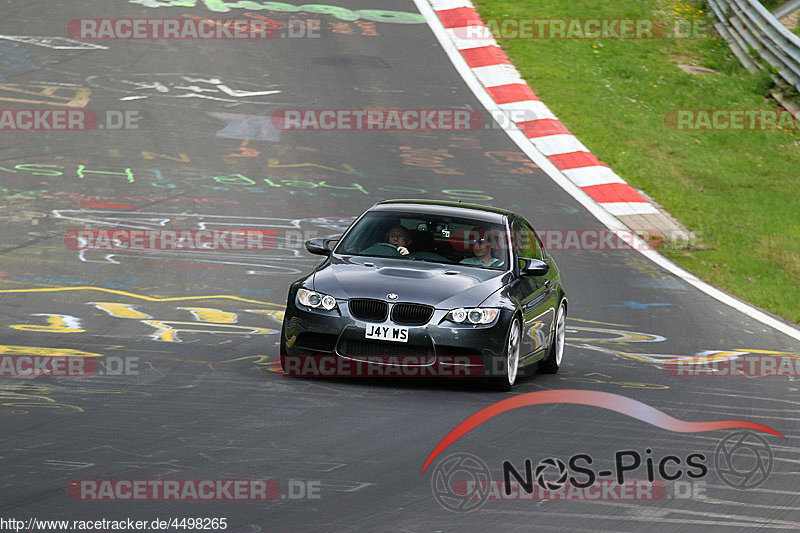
(441, 207)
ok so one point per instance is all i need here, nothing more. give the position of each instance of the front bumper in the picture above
(438, 348)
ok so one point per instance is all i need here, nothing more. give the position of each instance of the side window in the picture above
(524, 241)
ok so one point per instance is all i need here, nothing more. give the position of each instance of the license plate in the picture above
(386, 333)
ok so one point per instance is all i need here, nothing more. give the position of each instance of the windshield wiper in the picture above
(432, 261)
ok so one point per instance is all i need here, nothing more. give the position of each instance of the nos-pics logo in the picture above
(461, 482)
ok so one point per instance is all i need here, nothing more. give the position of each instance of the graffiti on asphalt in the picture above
(251, 127)
(45, 94)
(56, 43)
(244, 150)
(434, 159)
(20, 398)
(162, 321)
(341, 13)
(593, 378)
(627, 344)
(141, 86)
(55, 324)
(173, 178)
(518, 161)
(14, 58)
(640, 306)
(283, 258)
(367, 29)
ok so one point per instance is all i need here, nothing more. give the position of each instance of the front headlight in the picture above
(474, 315)
(316, 300)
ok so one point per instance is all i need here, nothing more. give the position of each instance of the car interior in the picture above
(431, 240)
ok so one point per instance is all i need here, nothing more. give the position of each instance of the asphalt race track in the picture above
(195, 333)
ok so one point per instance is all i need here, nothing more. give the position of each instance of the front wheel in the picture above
(556, 352)
(505, 381)
(282, 350)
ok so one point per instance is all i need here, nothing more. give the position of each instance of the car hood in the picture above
(439, 285)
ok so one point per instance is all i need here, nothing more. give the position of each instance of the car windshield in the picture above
(427, 237)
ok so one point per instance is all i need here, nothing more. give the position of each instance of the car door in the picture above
(536, 294)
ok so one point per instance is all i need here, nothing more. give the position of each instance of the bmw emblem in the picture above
(392, 296)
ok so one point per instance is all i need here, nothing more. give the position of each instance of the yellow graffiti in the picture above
(55, 324)
(275, 314)
(141, 296)
(209, 319)
(119, 310)
(617, 336)
(771, 352)
(43, 351)
(183, 158)
(78, 97)
(20, 396)
(275, 163)
(206, 314)
(706, 357)
(25, 395)
(587, 378)
(167, 333)
(596, 322)
(260, 361)
(621, 335)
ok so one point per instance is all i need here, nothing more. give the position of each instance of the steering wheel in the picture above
(374, 248)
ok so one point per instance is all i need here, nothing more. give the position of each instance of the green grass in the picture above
(772, 4)
(738, 190)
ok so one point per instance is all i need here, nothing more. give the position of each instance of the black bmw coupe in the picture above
(431, 286)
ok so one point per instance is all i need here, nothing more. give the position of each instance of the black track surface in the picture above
(213, 406)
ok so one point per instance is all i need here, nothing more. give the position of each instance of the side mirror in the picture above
(319, 246)
(534, 267)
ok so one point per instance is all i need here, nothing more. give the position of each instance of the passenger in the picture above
(482, 246)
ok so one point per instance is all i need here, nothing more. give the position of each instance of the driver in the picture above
(399, 236)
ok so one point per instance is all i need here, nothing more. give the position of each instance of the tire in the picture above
(505, 382)
(282, 350)
(555, 354)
